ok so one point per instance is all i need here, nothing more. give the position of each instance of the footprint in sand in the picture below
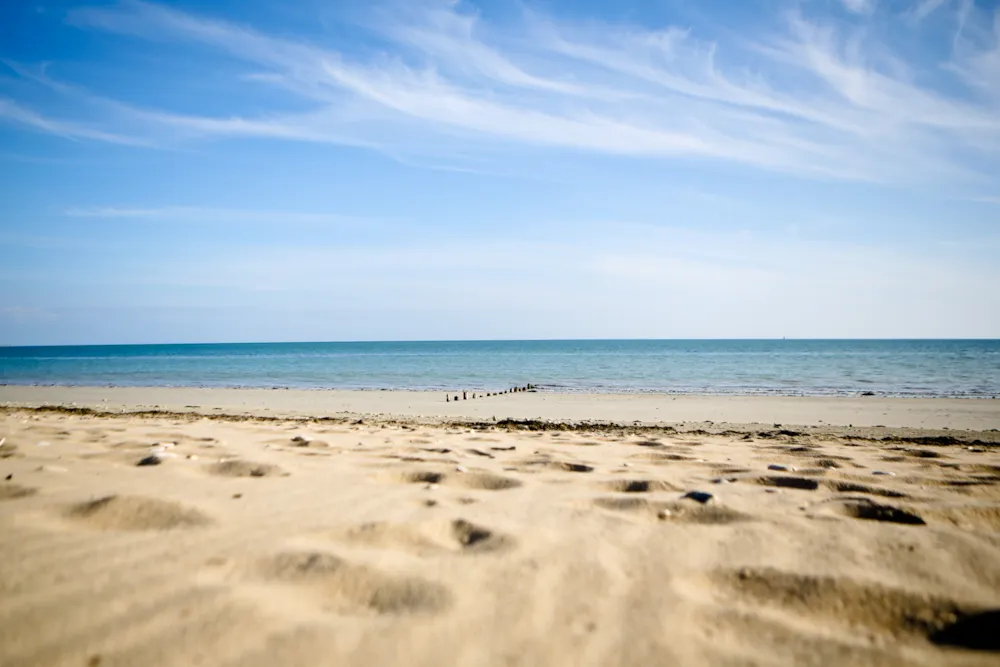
(243, 468)
(470, 480)
(638, 486)
(659, 457)
(648, 443)
(787, 481)
(529, 465)
(865, 508)
(303, 442)
(337, 586)
(10, 491)
(428, 538)
(8, 450)
(855, 487)
(856, 604)
(135, 513)
(676, 512)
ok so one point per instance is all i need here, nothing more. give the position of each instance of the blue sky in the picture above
(269, 170)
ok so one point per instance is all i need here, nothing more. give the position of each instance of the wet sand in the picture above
(864, 411)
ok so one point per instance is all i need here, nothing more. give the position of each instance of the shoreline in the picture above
(540, 389)
(609, 410)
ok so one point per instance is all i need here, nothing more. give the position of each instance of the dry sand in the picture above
(363, 541)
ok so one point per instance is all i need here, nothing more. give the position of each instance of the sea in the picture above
(929, 368)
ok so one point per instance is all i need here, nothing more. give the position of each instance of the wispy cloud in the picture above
(200, 214)
(13, 112)
(924, 8)
(815, 98)
(860, 6)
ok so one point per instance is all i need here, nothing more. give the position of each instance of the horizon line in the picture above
(501, 340)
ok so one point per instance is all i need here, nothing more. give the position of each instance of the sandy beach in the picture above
(244, 527)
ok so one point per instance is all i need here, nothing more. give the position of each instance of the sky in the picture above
(277, 170)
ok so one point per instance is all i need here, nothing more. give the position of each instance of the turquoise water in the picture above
(794, 367)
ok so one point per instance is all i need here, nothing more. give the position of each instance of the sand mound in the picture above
(135, 513)
(977, 517)
(348, 588)
(980, 467)
(853, 603)
(9, 491)
(242, 468)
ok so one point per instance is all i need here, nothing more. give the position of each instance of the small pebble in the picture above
(771, 491)
(43, 443)
(883, 472)
(461, 469)
(237, 496)
(2, 440)
(152, 460)
(10, 477)
(430, 487)
(664, 514)
(775, 466)
(699, 496)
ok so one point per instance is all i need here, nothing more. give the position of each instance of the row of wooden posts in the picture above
(465, 395)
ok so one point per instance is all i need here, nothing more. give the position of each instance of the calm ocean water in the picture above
(782, 367)
(794, 367)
